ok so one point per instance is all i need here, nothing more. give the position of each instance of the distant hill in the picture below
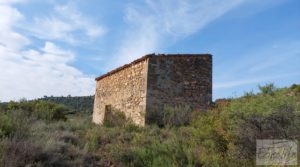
(76, 103)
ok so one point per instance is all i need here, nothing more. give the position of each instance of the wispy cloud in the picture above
(257, 80)
(66, 24)
(6, 2)
(153, 25)
(274, 62)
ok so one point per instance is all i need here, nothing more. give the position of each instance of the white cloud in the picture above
(54, 54)
(65, 24)
(8, 37)
(158, 23)
(32, 73)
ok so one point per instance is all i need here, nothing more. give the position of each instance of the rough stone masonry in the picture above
(152, 82)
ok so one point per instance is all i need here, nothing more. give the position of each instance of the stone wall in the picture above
(144, 87)
(178, 80)
(124, 90)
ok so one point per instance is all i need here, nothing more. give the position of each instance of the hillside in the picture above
(41, 133)
(76, 103)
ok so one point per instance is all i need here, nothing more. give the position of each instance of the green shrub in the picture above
(7, 125)
(4, 145)
(281, 124)
(153, 152)
(176, 116)
(154, 117)
(92, 136)
(41, 109)
(114, 118)
(260, 117)
(19, 153)
(249, 94)
(37, 134)
(267, 89)
(207, 136)
(49, 110)
(295, 88)
(131, 127)
(169, 116)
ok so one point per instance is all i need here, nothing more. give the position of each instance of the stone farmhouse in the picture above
(152, 82)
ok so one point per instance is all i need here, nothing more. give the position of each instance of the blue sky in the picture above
(59, 47)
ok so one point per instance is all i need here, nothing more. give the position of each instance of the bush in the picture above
(7, 125)
(281, 124)
(92, 136)
(19, 153)
(41, 109)
(169, 116)
(267, 89)
(177, 116)
(49, 110)
(260, 117)
(36, 134)
(207, 137)
(154, 117)
(295, 88)
(154, 147)
(114, 117)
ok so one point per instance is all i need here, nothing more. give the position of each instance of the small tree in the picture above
(267, 89)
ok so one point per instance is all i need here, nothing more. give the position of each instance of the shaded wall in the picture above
(183, 80)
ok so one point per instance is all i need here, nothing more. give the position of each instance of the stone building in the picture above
(152, 82)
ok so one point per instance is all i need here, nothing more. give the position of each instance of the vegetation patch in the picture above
(42, 133)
